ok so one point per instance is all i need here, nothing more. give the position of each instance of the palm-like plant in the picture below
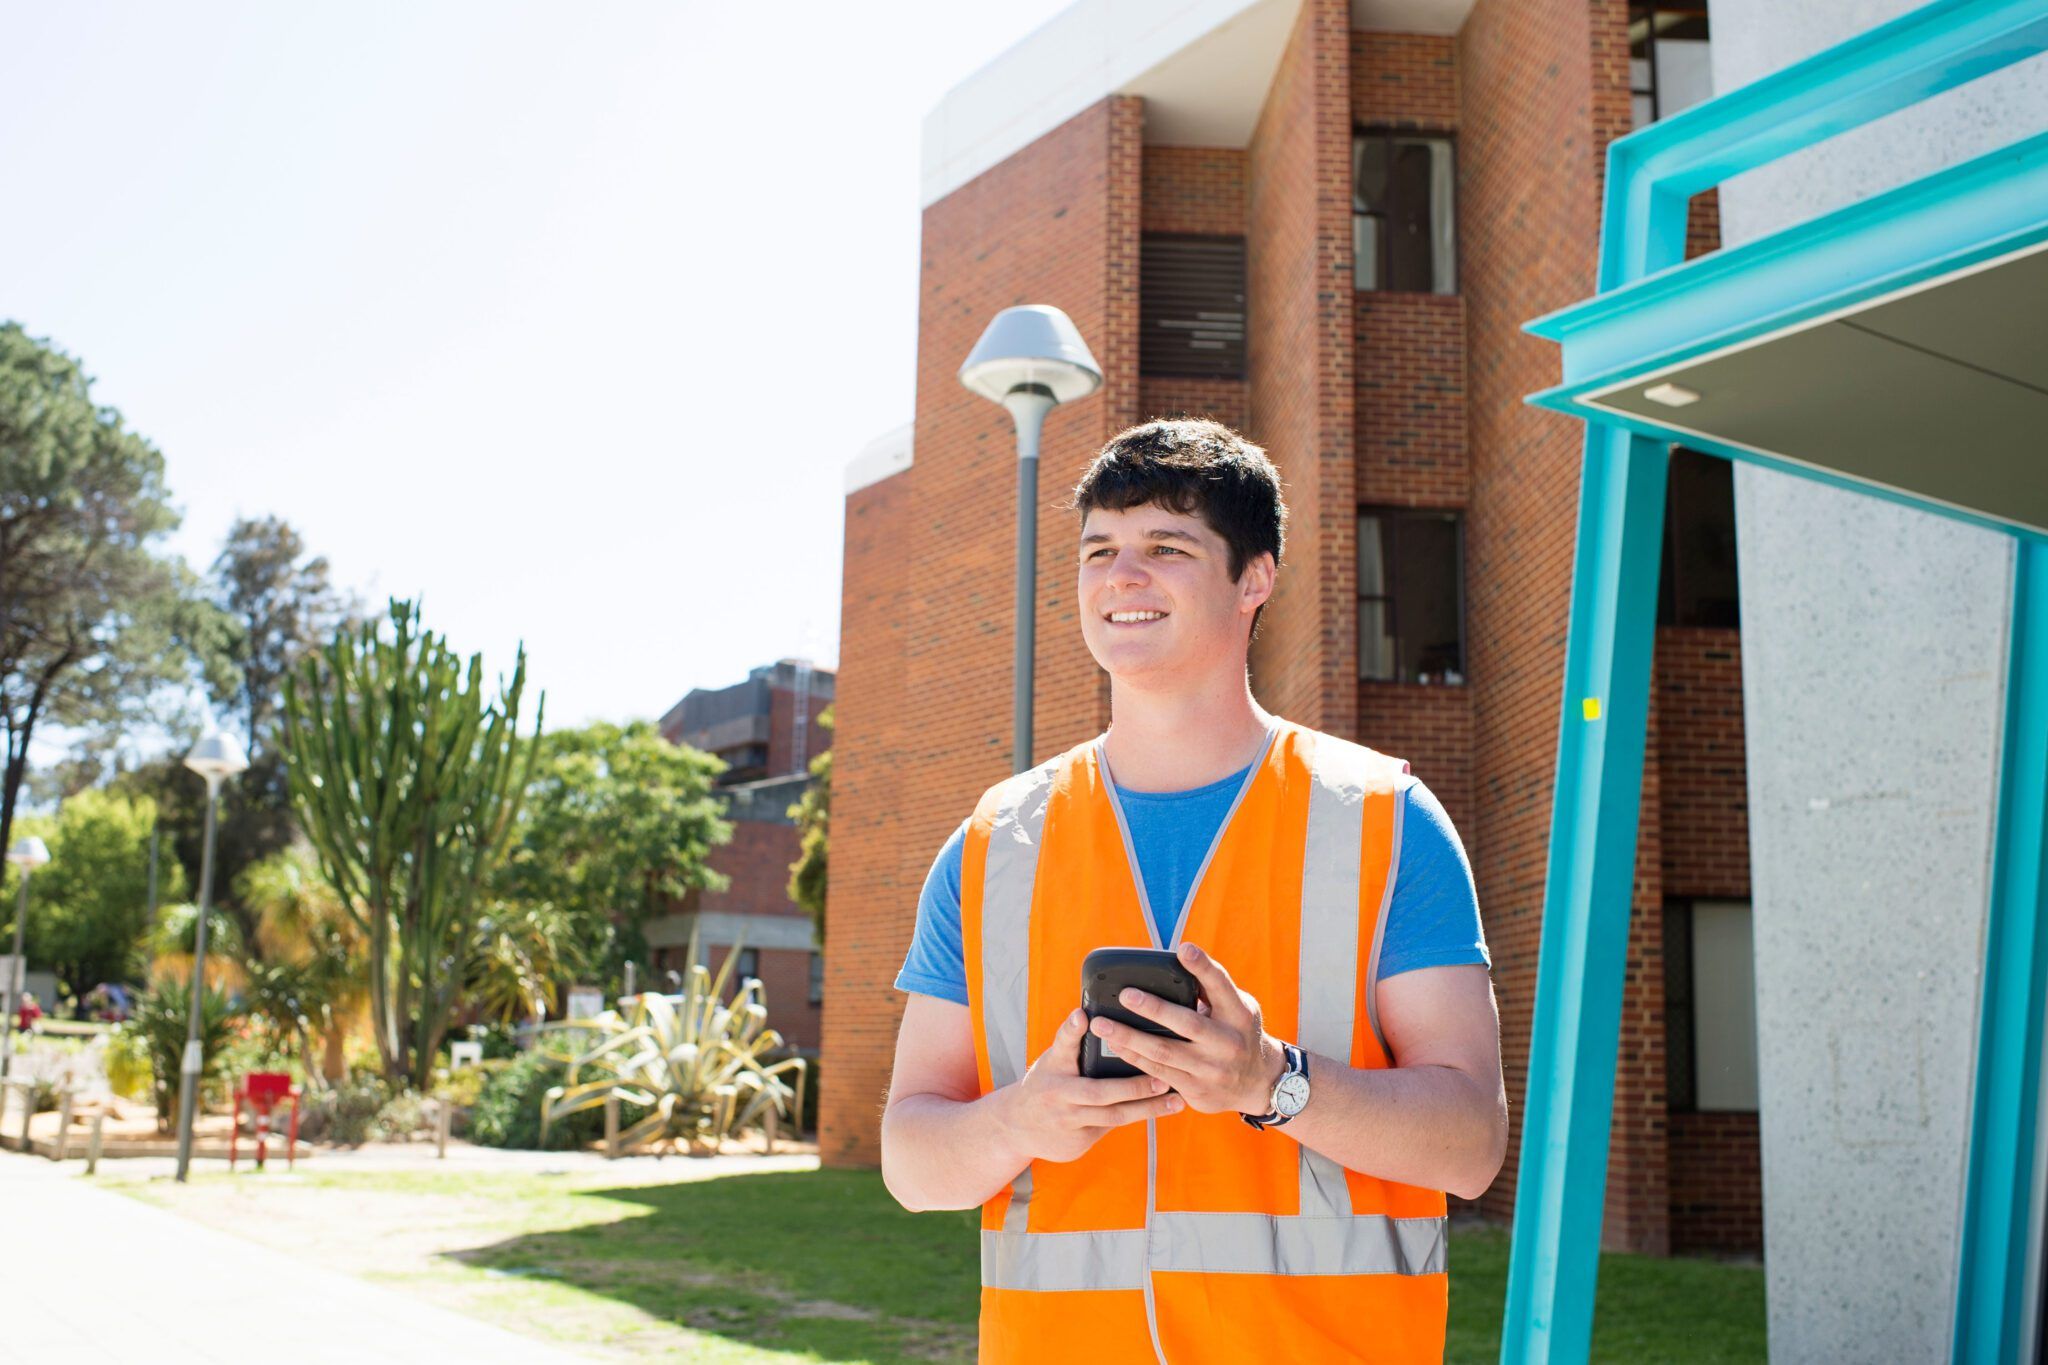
(699, 1067)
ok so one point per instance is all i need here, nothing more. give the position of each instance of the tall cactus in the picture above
(407, 784)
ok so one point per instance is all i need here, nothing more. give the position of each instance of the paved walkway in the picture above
(88, 1273)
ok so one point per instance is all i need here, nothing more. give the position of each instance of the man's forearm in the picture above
(940, 1153)
(1432, 1126)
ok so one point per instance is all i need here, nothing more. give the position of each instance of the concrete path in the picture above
(88, 1273)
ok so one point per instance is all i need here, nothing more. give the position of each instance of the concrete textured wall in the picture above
(1874, 646)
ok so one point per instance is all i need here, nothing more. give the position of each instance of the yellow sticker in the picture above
(1591, 707)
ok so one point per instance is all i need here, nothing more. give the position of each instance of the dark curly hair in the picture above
(1194, 467)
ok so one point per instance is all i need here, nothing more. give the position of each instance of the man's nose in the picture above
(1128, 567)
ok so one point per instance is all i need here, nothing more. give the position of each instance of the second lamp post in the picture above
(215, 758)
(1030, 359)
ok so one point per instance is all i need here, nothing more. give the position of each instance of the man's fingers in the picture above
(1066, 1044)
(1118, 1090)
(1189, 1024)
(1137, 1111)
(1216, 984)
(1142, 1049)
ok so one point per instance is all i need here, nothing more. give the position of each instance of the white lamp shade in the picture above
(29, 853)
(217, 756)
(1033, 343)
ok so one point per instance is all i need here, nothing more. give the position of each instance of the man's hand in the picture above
(1055, 1113)
(1227, 1064)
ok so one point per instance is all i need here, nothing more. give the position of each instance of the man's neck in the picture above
(1165, 741)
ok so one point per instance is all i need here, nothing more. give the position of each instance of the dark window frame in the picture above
(1677, 601)
(1150, 358)
(1382, 266)
(1647, 13)
(744, 958)
(817, 978)
(1389, 513)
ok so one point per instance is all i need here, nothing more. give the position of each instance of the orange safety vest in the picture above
(1196, 1237)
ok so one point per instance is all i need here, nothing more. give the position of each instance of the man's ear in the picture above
(1256, 587)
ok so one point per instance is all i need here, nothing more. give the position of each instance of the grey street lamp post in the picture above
(1030, 359)
(27, 855)
(215, 758)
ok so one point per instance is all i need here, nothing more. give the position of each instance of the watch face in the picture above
(1291, 1094)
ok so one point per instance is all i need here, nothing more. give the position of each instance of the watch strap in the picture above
(1297, 1063)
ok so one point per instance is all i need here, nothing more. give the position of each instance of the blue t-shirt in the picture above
(1432, 922)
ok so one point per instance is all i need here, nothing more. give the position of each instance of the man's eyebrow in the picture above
(1159, 534)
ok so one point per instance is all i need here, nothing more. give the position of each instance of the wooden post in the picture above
(444, 1119)
(611, 1126)
(63, 1124)
(28, 1112)
(768, 1131)
(92, 1145)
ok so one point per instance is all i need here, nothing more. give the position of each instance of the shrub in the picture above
(403, 1117)
(347, 1112)
(129, 1074)
(160, 1020)
(507, 1109)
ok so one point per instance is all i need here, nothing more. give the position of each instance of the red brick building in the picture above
(1324, 224)
(766, 730)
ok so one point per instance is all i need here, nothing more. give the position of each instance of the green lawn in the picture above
(817, 1265)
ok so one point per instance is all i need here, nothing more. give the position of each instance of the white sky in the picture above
(564, 317)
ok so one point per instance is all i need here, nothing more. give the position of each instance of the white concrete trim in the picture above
(890, 453)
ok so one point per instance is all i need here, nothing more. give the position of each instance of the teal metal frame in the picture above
(1654, 309)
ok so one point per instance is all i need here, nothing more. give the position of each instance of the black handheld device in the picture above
(1104, 974)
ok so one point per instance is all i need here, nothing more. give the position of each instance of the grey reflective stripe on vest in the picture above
(1007, 879)
(1055, 1261)
(1339, 775)
(1214, 1244)
(1379, 928)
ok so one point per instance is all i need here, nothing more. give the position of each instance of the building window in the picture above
(1191, 306)
(1403, 236)
(749, 965)
(1710, 1007)
(1698, 586)
(817, 978)
(1668, 67)
(1411, 596)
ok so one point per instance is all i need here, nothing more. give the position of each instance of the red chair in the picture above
(262, 1092)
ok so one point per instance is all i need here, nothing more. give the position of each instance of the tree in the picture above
(94, 622)
(89, 909)
(305, 966)
(283, 607)
(618, 823)
(407, 784)
(813, 816)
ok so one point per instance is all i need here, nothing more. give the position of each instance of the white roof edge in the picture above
(1201, 87)
(1087, 51)
(887, 454)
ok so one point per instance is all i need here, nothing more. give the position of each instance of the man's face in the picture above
(1173, 572)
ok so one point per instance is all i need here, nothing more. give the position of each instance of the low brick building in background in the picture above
(1323, 224)
(767, 731)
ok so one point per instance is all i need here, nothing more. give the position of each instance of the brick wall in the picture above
(1300, 343)
(1226, 400)
(1528, 198)
(782, 732)
(1705, 811)
(1717, 1196)
(1195, 190)
(1058, 223)
(1411, 400)
(865, 921)
(1404, 80)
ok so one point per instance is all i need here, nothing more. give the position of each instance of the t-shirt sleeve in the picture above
(935, 964)
(1434, 918)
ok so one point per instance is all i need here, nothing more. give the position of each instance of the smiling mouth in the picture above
(1152, 620)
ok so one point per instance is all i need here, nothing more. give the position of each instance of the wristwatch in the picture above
(1290, 1093)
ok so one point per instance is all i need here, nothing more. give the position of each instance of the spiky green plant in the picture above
(698, 1066)
(406, 783)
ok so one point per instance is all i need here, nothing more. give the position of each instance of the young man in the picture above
(1273, 1186)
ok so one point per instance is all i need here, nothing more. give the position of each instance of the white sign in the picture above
(465, 1054)
(585, 1002)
